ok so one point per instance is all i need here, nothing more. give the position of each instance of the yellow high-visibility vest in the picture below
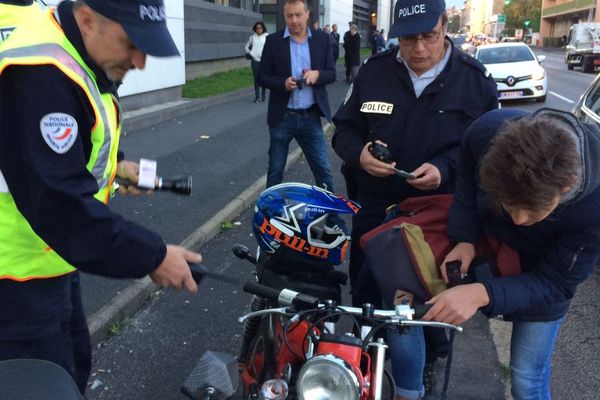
(12, 16)
(41, 41)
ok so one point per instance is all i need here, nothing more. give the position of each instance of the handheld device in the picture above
(382, 153)
(453, 273)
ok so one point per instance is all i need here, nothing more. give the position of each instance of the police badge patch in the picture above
(59, 130)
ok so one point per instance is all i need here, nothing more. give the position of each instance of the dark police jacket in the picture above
(555, 254)
(381, 104)
(55, 191)
(276, 67)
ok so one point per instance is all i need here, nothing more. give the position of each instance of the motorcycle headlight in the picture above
(327, 377)
(539, 74)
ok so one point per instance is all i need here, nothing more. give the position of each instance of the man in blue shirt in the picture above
(296, 65)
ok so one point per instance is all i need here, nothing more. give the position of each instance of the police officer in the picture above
(60, 123)
(418, 99)
(13, 12)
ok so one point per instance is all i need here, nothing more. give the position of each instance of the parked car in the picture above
(587, 108)
(463, 42)
(516, 70)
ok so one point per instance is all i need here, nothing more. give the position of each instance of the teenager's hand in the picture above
(463, 252)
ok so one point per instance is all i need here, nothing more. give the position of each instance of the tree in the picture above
(454, 24)
(519, 11)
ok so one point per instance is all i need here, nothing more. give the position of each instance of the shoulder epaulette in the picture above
(471, 61)
(385, 53)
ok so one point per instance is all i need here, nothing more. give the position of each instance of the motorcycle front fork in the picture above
(377, 351)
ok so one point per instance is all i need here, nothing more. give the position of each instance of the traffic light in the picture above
(526, 23)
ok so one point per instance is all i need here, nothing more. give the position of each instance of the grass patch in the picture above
(365, 52)
(117, 327)
(218, 83)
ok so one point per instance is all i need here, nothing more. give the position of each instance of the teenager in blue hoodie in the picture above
(531, 181)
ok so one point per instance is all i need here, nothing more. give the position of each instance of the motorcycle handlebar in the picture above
(287, 297)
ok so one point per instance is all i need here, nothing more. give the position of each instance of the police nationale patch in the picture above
(377, 107)
(59, 130)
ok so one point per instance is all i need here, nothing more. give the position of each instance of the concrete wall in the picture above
(338, 12)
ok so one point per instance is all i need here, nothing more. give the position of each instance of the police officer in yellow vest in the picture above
(13, 12)
(59, 131)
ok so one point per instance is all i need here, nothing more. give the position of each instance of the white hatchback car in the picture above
(516, 70)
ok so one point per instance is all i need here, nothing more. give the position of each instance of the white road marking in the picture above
(562, 97)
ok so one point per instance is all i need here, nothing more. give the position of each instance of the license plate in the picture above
(511, 94)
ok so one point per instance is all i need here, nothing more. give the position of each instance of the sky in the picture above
(456, 3)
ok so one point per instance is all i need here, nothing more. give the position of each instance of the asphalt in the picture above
(476, 368)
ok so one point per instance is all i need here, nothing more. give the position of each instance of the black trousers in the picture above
(44, 319)
(255, 66)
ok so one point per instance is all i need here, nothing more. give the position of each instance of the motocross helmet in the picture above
(299, 217)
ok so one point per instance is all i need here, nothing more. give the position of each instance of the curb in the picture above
(144, 118)
(136, 293)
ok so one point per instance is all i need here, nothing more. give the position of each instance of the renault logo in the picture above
(510, 80)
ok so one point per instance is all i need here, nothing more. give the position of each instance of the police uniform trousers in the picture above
(44, 319)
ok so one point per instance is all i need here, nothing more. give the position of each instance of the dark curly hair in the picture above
(261, 24)
(530, 162)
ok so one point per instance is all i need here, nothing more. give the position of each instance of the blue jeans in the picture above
(531, 347)
(407, 352)
(305, 127)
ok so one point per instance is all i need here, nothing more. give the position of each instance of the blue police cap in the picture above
(144, 21)
(416, 16)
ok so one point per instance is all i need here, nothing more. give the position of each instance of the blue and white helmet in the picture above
(294, 215)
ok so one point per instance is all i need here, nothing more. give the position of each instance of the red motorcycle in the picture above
(299, 342)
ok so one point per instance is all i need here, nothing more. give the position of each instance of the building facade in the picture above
(559, 15)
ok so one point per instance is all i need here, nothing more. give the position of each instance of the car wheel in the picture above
(570, 67)
(541, 99)
(588, 64)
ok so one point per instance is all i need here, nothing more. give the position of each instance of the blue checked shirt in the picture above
(300, 60)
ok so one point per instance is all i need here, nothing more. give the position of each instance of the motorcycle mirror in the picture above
(243, 252)
(214, 377)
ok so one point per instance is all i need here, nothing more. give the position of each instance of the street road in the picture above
(157, 347)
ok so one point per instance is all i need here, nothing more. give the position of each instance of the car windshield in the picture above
(498, 55)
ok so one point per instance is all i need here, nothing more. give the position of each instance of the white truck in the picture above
(583, 46)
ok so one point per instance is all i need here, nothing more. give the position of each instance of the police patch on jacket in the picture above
(59, 130)
(377, 107)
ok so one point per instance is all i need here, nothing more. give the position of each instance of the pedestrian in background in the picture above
(60, 122)
(373, 41)
(353, 52)
(430, 92)
(254, 48)
(379, 41)
(296, 66)
(346, 45)
(335, 43)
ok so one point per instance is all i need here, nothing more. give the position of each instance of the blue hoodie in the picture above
(556, 254)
